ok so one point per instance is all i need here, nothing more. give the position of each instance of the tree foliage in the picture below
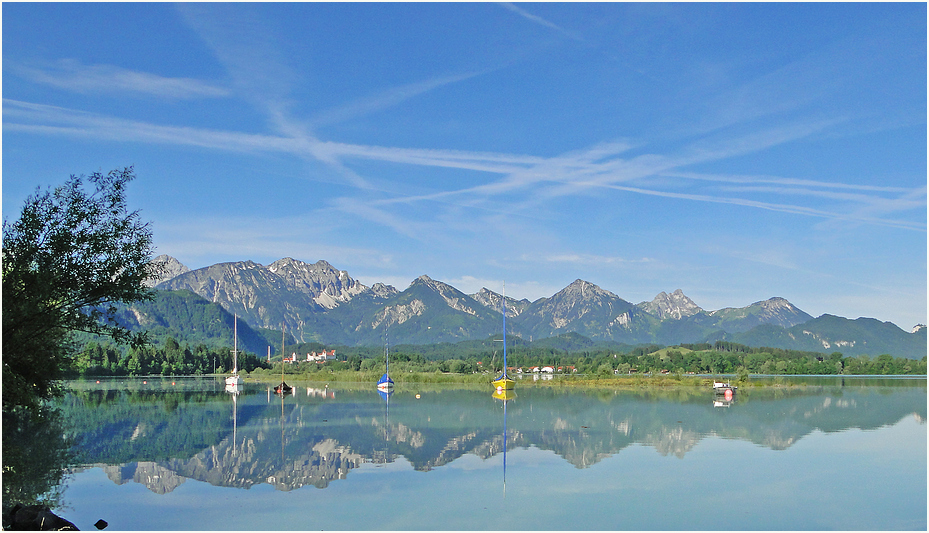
(72, 254)
(169, 359)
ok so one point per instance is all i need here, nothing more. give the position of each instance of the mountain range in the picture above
(316, 302)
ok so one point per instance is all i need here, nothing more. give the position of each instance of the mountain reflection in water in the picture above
(159, 434)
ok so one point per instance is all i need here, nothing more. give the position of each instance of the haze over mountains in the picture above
(317, 302)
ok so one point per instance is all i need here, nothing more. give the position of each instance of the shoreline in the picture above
(609, 382)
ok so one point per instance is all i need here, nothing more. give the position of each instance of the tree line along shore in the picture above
(449, 363)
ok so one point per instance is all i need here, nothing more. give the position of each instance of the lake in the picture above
(184, 454)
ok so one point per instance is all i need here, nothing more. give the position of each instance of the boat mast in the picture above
(283, 326)
(235, 345)
(504, 328)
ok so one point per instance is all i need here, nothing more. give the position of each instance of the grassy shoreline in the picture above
(413, 378)
(635, 381)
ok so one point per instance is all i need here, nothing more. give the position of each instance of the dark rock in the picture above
(37, 518)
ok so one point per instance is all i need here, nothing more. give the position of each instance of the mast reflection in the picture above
(504, 395)
(385, 458)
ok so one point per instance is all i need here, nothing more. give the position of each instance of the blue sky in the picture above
(734, 151)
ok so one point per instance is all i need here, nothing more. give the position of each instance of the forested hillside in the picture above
(187, 317)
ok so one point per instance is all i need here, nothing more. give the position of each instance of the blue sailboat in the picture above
(385, 383)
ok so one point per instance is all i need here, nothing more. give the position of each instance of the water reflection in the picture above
(504, 395)
(382, 458)
(33, 474)
(160, 436)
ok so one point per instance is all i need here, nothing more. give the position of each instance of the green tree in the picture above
(742, 373)
(69, 258)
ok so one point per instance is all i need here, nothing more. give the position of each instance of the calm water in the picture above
(187, 455)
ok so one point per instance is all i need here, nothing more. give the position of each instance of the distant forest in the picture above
(470, 357)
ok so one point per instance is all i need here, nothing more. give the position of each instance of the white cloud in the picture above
(541, 21)
(749, 179)
(413, 229)
(593, 260)
(387, 99)
(536, 180)
(74, 76)
(861, 217)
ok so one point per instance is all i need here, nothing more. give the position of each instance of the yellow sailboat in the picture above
(504, 382)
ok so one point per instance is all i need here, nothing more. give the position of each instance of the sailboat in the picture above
(283, 388)
(504, 382)
(385, 383)
(234, 380)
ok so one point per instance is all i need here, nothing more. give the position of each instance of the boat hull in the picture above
(385, 383)
(503, 383)
(720, 387)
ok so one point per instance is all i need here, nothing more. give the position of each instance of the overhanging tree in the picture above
(72, 255)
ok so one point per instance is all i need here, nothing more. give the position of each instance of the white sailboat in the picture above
(283, 388)
(234, 380)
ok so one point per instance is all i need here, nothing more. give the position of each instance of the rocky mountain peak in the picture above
(291, 264)
(579, 303)
(777, 311)
(584, 291)
(454, 298)
(172, 268)
(775, 303)
(675, 305)
(327, 286)
(493, 301)
(582, 286)
(380, 290)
